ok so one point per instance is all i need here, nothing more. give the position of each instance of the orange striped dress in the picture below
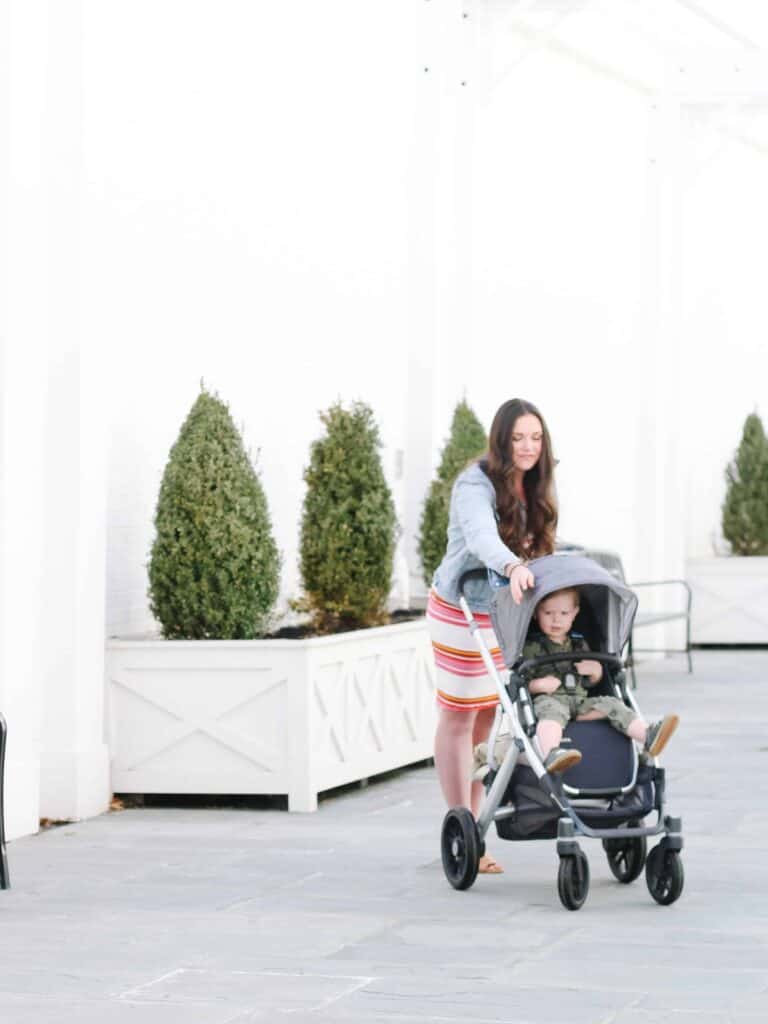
(463, 683)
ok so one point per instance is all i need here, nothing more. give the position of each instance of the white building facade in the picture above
(404, 203)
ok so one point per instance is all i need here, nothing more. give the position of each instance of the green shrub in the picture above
(348, 524)
(745, 509)
(467, 441)
(214, 566)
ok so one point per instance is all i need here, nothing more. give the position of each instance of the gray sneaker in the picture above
(659, 733)
(559, 760)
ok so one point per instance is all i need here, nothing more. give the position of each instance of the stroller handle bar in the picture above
(612, 660)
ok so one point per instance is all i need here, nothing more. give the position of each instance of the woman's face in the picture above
(527, 438)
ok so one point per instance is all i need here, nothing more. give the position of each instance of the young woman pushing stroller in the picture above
(503, 514)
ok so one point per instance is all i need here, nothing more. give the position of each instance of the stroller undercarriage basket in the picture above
(528, 812)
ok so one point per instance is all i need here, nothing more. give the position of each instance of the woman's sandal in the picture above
(488, 866)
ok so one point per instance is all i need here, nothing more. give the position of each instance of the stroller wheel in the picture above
(460, 847)
(664, 875)
(626, 857)
(573, 880)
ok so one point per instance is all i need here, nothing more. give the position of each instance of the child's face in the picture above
(555, 615)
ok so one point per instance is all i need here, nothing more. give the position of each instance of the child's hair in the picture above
(563, 590)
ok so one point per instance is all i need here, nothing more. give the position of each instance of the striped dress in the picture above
(462, 681)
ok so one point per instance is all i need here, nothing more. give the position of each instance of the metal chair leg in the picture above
(631, 663)
(5, 879)
(688, 637)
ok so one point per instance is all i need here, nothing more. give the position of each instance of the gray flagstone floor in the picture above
(204, 915)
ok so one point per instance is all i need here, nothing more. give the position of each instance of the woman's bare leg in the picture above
(453, 755)
(457, 733)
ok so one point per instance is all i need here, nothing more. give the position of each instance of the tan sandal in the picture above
(488, 866)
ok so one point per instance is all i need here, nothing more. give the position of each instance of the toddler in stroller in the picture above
(608, 793)
(561, 695)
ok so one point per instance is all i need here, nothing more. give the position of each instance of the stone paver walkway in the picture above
(217, 916)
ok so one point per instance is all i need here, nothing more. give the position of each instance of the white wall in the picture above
(338, 219)
(613, 208)
(726, 319)
(247, 217)
(559, 210)
(387, 201)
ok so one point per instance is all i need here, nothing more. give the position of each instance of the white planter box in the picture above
(730, 600)
(288, 717)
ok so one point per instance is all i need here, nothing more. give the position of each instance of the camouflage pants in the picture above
(562, 708)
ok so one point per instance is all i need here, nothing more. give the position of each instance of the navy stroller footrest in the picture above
(608, 757)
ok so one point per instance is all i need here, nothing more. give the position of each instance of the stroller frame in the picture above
(463, 838)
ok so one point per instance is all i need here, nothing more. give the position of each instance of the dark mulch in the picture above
(304, 631)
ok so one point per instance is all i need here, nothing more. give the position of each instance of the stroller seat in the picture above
(609, 763)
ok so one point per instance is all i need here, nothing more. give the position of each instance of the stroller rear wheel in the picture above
(460, 847)
(664, 875)
(626, 857)
(573, 880)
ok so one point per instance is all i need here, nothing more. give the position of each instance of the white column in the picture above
(441, 242)
(52, 501)
(657, 377)
(23, 361)
(671, 385)
(74, 775)
(422, 355)
(74, 779)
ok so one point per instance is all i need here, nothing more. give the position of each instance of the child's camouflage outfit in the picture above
(567, 703)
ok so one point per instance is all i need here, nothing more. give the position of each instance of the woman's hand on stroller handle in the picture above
(520, 579)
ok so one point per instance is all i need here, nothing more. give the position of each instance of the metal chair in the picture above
(5, 880)
(612, 562)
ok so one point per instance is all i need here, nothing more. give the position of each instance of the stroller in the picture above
(609, 793)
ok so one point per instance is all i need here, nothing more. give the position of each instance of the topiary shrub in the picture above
(467, 441)
(214, 566)
(745, 509)
(348, 524)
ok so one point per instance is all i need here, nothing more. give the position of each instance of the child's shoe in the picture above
(659, 733)
(559, 760)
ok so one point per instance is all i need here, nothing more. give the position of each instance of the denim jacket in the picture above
(473, 540)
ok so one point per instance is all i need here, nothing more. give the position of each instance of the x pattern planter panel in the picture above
(198, 730)
(372, 713)
(730, 600)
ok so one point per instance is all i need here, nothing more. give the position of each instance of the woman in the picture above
(503, 513)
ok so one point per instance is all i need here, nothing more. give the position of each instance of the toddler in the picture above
(560, 696)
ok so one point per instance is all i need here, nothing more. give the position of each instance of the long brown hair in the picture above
(529, 531)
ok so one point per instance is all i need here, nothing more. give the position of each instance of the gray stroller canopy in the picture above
(611, 603)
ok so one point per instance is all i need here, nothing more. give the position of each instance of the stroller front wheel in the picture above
(573, 880)
(460, 847)
(664, 875)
